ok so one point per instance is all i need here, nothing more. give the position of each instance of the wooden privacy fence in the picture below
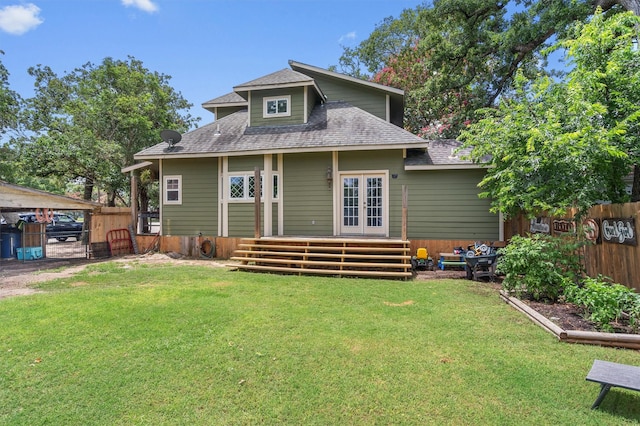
(612, 230)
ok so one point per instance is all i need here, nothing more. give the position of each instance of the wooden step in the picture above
(326, 255)
(326, 240)
(349, 272)
(339, 265)
(324, 248)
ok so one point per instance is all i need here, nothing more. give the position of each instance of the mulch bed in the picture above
(569, 317)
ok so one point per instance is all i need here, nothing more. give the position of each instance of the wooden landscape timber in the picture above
(616, 340)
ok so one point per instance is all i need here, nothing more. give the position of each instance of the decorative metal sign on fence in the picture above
(619, 231)
(591, 229)
(540, 225)
(563, 226)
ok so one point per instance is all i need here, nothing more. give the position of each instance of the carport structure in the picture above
(17, 199)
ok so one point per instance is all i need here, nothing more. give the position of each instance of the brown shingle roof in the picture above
(229, 99)
(284, 76)
(441, 152)
(333, 126)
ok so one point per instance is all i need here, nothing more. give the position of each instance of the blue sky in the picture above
(206, 46)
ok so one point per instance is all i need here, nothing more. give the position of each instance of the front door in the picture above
(363, 204)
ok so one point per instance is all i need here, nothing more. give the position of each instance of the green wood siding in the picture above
(245, 164)
(370, 100)
(296, 107)
(198, 212)
(224, 111)
(371, 160)
(308, 200)
(444, 205)
(241, 219)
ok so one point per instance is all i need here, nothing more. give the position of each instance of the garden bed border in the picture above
(616, 340)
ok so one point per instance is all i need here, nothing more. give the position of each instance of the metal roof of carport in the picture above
(16, 197)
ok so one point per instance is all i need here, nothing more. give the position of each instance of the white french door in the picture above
(363, 204)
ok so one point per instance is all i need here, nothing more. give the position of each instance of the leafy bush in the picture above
(604, 302)
(539, 266)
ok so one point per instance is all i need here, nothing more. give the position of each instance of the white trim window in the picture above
(173, 189)
(241, 186)
(277, 106)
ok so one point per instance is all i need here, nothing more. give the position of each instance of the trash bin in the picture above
(10, 241)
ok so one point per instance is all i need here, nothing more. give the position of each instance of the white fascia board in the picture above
(223, 105)
(136, 166)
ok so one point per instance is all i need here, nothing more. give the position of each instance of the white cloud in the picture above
(146, 5)
(347, 37)
(19, 19)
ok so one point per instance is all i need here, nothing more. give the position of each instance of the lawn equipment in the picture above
(422, 261)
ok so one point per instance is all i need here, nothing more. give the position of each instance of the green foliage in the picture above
(539, 266)
(452, 57)
(605, 302)
(555, 145)
(10, 102)
(88, 124)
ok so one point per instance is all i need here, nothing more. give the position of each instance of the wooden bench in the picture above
(451, 259)
(611, 374)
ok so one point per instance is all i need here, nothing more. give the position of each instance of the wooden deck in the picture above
(356, 257)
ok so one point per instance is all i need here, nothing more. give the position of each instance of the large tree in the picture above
(9, 109)
(553, 145)
(454, 57)
(87, 124)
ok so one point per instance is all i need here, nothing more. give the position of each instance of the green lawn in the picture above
(172, 345)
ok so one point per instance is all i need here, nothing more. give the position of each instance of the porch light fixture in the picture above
(634, 44)
(329, 176)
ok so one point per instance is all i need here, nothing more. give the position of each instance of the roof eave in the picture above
(224, 105)
(445, 167)
(282, 151)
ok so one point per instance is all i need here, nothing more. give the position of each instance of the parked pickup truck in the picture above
(62, 227)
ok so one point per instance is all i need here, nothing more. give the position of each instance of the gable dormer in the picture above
(281, 98)
(382, 101)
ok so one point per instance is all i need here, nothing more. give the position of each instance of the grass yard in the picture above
(124, 344)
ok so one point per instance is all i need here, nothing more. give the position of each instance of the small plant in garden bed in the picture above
(548, 269)
(539, 266)
(609, 305)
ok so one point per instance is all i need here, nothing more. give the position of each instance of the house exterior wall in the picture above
(198, 212)
(241, 213)
(443, 205)
(307, 197)
(223, 112)
(296, 107)
(370, 100)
